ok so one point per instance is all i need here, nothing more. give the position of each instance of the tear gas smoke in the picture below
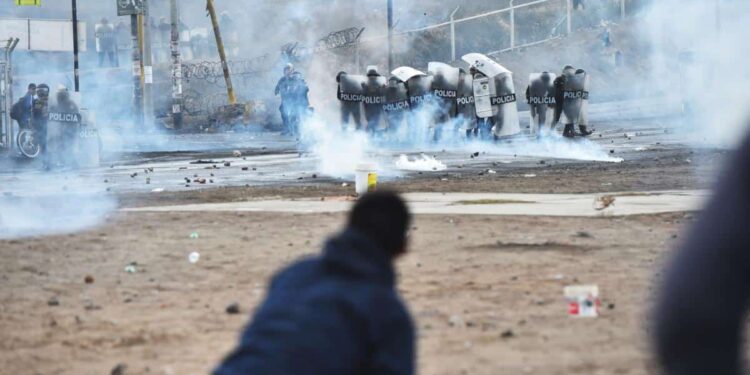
(702, 60)
(421, 163)
(52, 204)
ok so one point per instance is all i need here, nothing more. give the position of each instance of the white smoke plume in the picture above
(699, 53)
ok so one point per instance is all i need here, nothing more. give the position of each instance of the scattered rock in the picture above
(476, 154)
(542, 162)
(227, 164)
(53, 302)
(245, 168)
(237, 153)
(200, 180)
(233, 309)
(583, 234)
(508, 333)
(611, 151)
(456, 320)
(119, 369)
(611, 306)
(88, 279)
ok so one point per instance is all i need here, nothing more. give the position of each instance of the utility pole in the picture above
(75, 46)
(453, 33)
(390, 36)
(176, 67)
(137, 88)
(512, 25)
(148, 70)
(569, 5)
(222, 55)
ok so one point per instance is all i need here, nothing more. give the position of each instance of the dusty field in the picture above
(486, 292)
(467, 281)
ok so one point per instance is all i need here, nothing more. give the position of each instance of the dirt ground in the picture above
(486, 292)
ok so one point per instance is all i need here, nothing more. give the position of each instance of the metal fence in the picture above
(523, 23)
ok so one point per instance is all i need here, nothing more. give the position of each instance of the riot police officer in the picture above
(284, 89)
(373, 98)
(349, 94)
(39, 117)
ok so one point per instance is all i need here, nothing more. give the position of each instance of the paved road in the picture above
(174, 163)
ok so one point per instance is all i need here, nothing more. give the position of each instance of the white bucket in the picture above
(365, 178)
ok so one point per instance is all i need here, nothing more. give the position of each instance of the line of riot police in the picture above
(481, 102)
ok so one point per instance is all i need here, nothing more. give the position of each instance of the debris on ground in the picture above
(157, 190)
(604, 202)
(245, 168)
(583, 234)
(53, 302)
(119, 369)
(201, 161)
(529, 175)
(200, 180)
(132, 267)
(194, 235)
(508, 333)
(237, 153)
(227, 164)
(194, 257)
(88, 279)
(233, 309)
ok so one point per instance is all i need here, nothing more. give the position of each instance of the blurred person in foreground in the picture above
(337, 313)
(701, 310)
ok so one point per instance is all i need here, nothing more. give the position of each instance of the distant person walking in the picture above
(702, 309)
(338, 313)
(106, 43)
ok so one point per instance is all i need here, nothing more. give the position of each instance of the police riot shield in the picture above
(495, 94)
(583, 118)
(576, 92)
(89, 141)
(63, 124)
(396, 103)
(465, 109)
(418, 85)
(541, 98)
(350, 97)
(444, 88)
(373, 98)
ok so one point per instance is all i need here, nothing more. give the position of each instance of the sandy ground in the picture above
(486, 292)
(467, 281)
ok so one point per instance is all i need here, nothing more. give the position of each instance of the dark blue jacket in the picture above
(335, 314)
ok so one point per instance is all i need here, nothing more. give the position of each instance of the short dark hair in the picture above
(32, 86)
(384, 218)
